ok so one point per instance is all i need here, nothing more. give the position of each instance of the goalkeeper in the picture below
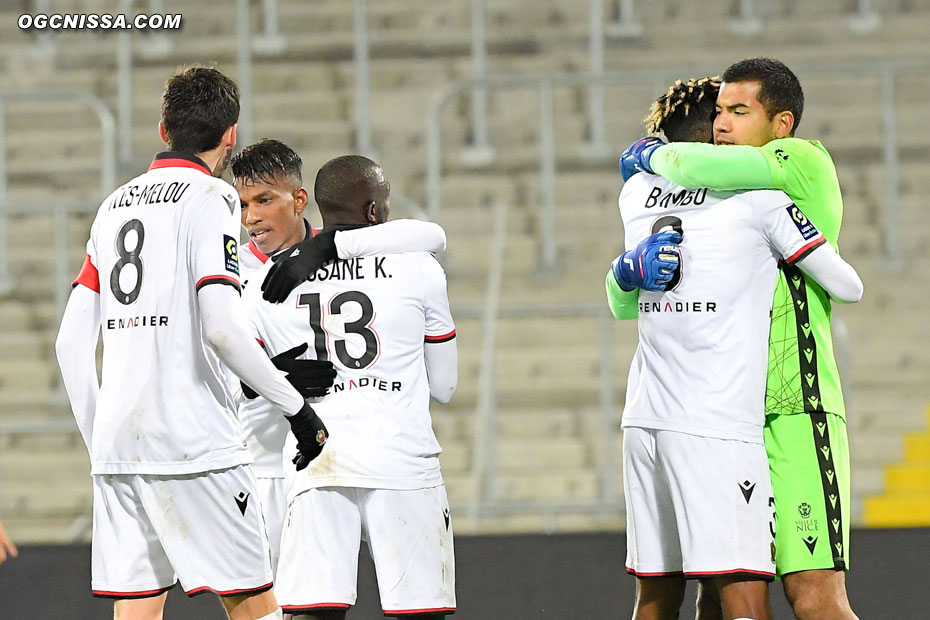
(759, 108)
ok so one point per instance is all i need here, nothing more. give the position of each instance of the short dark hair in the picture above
(781, 90)
(343, 178)
(266, 160)
(199, 104)
(686, 112)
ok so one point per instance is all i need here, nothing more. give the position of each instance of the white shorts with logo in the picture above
(205, 530)
(273, 495)
(409, 535)
(697, 506)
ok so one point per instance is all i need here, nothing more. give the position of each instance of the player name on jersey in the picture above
(659, 197)
(149, 194)
(351, 269)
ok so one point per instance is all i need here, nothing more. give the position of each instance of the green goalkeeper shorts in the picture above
(809, 464)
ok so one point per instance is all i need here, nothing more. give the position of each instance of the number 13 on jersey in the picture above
(343, 303)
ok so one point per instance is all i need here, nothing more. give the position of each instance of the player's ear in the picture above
(162, 132)
(784, 124)
(371, 212)
(301, 198)
(229, 136)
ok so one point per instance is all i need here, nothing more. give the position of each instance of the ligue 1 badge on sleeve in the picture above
(231, 250)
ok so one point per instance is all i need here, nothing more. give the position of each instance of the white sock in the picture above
(275, 615)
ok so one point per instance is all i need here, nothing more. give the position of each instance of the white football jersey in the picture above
(701, 363)
(264, 426)
(371, 316)
(164, 405)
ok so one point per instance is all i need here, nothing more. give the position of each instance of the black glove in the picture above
(295, 265)
(311, 436)
(312, 378)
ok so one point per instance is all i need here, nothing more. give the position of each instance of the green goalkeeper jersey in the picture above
(802, 374)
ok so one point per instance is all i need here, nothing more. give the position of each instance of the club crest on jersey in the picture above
(805, 226)
(231, 250)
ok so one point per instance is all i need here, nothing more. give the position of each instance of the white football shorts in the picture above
(697, 506)
(409, 535)
(205, 530)
(273, 495)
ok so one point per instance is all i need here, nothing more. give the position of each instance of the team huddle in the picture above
(263, 409)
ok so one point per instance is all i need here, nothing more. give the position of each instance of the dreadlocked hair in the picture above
(686, 112)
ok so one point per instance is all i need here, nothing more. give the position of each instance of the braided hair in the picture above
(686, 112)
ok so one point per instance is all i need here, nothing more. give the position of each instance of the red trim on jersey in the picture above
(807, 249)
(298, 608)
(260, 343)
(142, 594)
(435, 610)
(639, 574)
(441, 338)
(258, 253)
(88, 276)
(257, 590)
(176, 159)
(221, 279)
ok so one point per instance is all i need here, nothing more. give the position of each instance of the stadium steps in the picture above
(905, 501)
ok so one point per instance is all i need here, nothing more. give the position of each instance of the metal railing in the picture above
(485, 499)
(545, 84)
(107, 161)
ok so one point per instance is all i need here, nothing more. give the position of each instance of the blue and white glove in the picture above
(636, 157)
(651, 265)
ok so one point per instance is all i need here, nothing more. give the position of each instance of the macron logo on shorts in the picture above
(747, 488)
(243, 502)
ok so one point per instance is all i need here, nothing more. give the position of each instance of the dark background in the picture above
(564, 577)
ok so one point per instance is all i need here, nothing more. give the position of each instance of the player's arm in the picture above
(225, 330)
(214, 266)
(440, 348)
(75, 348)
(790, 233)
(293, 266)
(837, 277)
(442, 368)
(394, 237)
(694, 165)
(624, 305)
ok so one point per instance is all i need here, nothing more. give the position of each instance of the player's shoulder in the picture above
(220, 190)
(798, 151)
(639, 186)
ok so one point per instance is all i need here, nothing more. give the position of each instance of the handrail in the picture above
(544, 83)
(485, 438)
(107, 164)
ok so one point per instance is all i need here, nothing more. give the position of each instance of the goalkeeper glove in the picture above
(295, 265)
(651, 265)
(636, 158)
(311, 378)
(311, 436)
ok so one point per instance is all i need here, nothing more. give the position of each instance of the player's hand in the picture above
(311, 436)
(7, 548)
(636, 157)
(651, 265)
(312, 378)
(293, 266)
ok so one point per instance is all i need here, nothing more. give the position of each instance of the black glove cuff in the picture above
(305, 422)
